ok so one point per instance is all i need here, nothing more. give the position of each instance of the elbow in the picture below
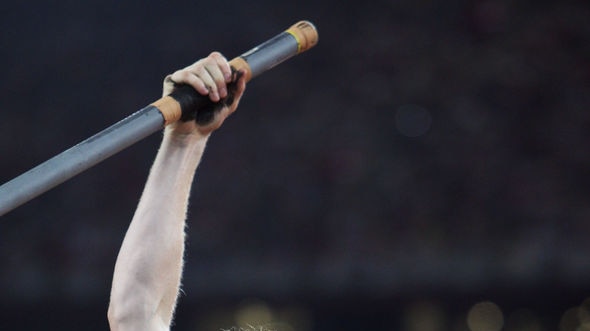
(133, 320)
(113, 318)
(135, 310)
(119, 316)
(128, 311)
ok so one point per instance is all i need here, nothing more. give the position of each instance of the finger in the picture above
(240, 84)
(215, 72)
(223, 66)
(203, 73)
(239, 88)
(185, 76)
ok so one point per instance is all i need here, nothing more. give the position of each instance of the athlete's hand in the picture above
(211, 76)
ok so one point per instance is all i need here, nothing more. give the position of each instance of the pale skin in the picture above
(148, 269)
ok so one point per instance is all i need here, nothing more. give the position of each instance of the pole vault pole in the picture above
(184, 101)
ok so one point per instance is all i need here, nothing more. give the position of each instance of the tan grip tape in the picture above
(239, 63)
(306, 35)
(169, 108)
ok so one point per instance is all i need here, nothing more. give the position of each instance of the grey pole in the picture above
(79, 158)
(183, 101)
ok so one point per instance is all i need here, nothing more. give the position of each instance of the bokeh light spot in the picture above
(485, 316)
(424, 316)
(569, 320)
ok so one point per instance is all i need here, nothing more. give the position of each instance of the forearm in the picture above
(147, 273)
(149, 266)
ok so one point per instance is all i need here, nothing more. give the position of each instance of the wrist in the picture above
(183, 149)
(180, 138)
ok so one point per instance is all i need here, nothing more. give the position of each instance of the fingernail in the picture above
(227, 77)
(223, 92)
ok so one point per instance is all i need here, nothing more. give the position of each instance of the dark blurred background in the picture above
(425, 168)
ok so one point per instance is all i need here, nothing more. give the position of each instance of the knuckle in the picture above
(180, 76)
(216, 55)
